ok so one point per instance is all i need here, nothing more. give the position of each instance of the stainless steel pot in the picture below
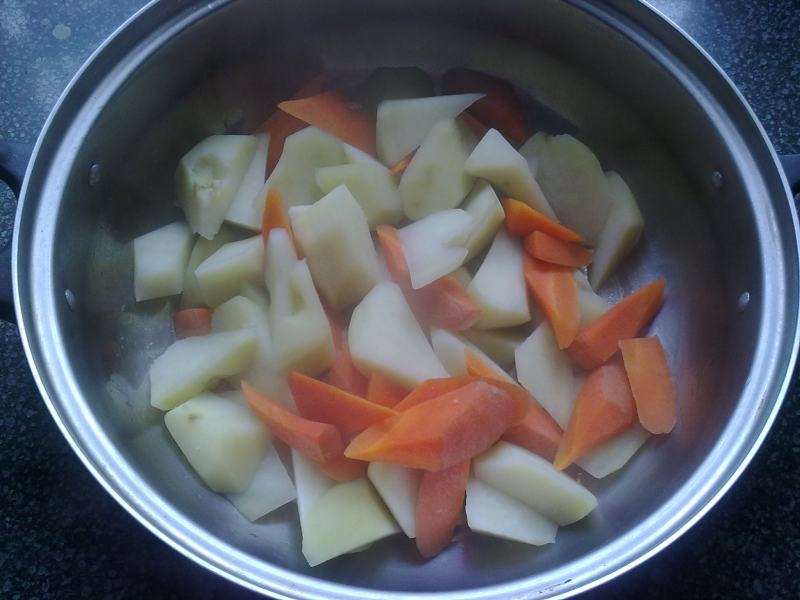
(721, 227)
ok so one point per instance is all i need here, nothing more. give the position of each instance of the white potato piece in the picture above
(534, 481)
(451, 350)
(371, 185)
(222, 275)
(546, 372)
(193, 365)
(203, 248)
(355, 156)
(398, 487)
(302, 339)
(310, 483)
(494, 513)
(572, 180)
(499, 344)
(496, 160)
(499, 285)
(435, 178)
(208, 177)
(293, 176)
(243, 210)
(615, 453)
(159, 261)
(270, 488)
(279, 260)
(402, 125)
(622, 230)
(385, 337)
(222, 440)
(334, 236)
(463, 276)
(487, 213)
(435, 245)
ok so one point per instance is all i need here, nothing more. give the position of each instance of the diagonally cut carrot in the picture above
(319, 401)
(599, 340)
(603, 408)
(440, 432)
(477, 367)
(192, 321)
(555, 291)
(522, 220)
(319, 441)
(443, 303)
(537, 432)
(344, 375)
(433, 388)
(440, 500)
(401, 165)
(555, 251)
(275, 216)
(330, 112)
(343, 469)
(477, 128)
(382, 390)
(651, 383)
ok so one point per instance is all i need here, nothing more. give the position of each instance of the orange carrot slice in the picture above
(523, 220)
(477, 128)
(499, 108)
(651, 383)
(319, 401)
(440, 500)
(330, 112)
(440, 432)
(344, 374)
(382, 390)
(555, 291)
(319, 441)
(537, 432)
(192, 321)
(555, 251)
(443, 303)
(477, 367)
(400, 166)
(275, 216)
(343, 469)
(599, 340)
(433, 388)
(603, 409)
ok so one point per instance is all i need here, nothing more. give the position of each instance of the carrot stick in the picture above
(555, 251)
(537, 432)
(555, 291)
(192, 321)
(275, 216)
(319, 401)
(344, 375)
(603, 408)
(319, 441)
(477, 128)
(499, 108)
(330, 112)
(443, 303)
(440, 500)
(382, 390)
(651, 383)
(433, 388)
(343, 469)
(599, 340)
(400, 166)
(477, 367)
(523, 220)
(441, 432)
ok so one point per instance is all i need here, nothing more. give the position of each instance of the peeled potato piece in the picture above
(222, 275)
(371, 185)
(269, 489)
(397, 486)
(244, 210)
(159, 261)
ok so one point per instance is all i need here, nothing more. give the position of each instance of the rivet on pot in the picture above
(94, 174)
(70, 298)
(717, 180)
(744, 300)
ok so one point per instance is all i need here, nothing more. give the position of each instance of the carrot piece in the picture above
(275, 216)
(319, 441)
(343, 469)
(440, 500)
(433, 388)
(603, 409)
(330, 112)
(320, 401)
(555, 251)
(499, 108)
(555, 291)
(440, 432)
(537, 432)
(599, 340)
(443, 303)
(477, 367)
(400, 166)
(651, 383)
(336, 323)
(477, 128)
(523, 220)
(382, 390)
(192, 321)
(344, 375)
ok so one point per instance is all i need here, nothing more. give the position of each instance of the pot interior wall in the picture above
(579, 75)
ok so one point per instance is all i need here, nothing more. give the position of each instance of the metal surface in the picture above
(668, 121)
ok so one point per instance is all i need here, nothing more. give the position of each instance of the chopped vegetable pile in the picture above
(401, 289)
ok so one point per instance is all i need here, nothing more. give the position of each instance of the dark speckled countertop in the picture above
(62, 536)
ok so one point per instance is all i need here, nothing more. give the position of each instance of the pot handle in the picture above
(14, 157)
(791, 166)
